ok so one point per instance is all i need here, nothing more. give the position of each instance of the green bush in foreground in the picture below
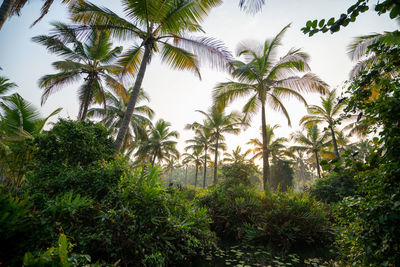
(284, 220)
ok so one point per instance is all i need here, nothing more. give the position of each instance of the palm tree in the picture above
(19, 121)
(116, 108)
(359, 51)
(328, 112)
(266, 80)
(251, 6)
(20, 118)
(5, 86)
(313, 143)
(159, 144)
(220, 123)
(202, 139)
(236, 155)
(195, 159)
(172, 163)
(275, 146)
(89, 61)
(159, 26)
(13, 7)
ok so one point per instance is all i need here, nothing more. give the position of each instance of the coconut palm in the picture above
(236, 155)
(359, 51)
(159, 145)
(90, 62)
(116, 108)
(265, 80)
(219, 124)
(20, 118)
(195, 158)
(328, 112)
(275, 146)
(202, 139)
(19, 121)
(159, 26)
(5, 86)
(172, 163)
(313, 143)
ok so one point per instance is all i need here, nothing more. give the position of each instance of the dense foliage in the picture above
(286, 220)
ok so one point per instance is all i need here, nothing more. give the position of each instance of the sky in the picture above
(176, 95)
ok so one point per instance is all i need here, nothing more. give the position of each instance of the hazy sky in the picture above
(175, 95)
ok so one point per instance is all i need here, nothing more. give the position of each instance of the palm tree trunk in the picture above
(216, 160)
(186, 175)
(88, 96)
(318, 168)
(5, 11)
(265, 150)
(195, 177)
(335, 147)
(205, 166)
(132, 100)
(153, 160)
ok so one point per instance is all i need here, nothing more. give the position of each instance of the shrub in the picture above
(239, 173)
(73, 143)
(284, 220)
(281, 175)
(334, 186)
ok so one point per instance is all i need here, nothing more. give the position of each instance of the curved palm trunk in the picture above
(216, 161)
(153, 160)
(5, 11)
(265, 150)
(318, 168)
(132, 100)
(205, 166)
(88, 96)
(335, 147)
(195, 177)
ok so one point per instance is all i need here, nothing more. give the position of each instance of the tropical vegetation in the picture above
(115, 188)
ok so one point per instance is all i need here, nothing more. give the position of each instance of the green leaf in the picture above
(314, 23)
(331, 21)
(321, 23)
(309, 24)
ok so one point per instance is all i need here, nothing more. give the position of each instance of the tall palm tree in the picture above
(159, 26)
(275, 146)
(195, 158)
(328, 112)
(116, 108)
(313, 143)
(266, 80)
(202, 139)
(91, 62)
(160, 144)
(219, 124)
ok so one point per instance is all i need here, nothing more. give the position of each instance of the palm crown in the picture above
(328, 112)
(159, 26)
(314, 142)
(89, 61)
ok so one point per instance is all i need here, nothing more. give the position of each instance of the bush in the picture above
(239, 173)
(369, 233)
(334, 186)
(73, 143)
(284, 220)
(281, 175)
